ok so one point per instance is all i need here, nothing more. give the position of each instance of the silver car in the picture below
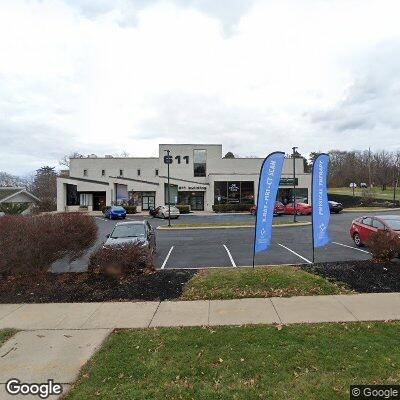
(133, 232)
(162, 212)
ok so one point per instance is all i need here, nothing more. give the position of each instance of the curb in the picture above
(177, 228)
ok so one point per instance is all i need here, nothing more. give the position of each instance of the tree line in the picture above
(375, 168)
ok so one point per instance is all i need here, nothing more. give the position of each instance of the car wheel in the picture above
(357, 240)
(163, 216)
(298, 213)
(253, 213)
(337, 212)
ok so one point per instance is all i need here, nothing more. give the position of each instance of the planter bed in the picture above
(82, 287)
(361, 276)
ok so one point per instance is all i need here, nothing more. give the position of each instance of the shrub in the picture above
(231, 207)
(130, 209)
(183, 208)
(384, 246)
(30, 244)
(121, 260)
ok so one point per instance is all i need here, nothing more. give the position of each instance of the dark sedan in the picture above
(335, 207)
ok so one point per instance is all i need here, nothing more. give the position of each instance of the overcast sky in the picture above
(107, 76)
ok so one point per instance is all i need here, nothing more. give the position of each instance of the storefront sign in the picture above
(182, 188)
(288, 182)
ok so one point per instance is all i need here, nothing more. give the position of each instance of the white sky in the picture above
(109, 76)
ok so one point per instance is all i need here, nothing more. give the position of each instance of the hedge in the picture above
(121, 260)
(231, 207)
(183, 208)
(30, 244)
(130, 209)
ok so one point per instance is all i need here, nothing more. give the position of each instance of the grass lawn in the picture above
(364, 209)
(236, 283)
(5, 334)
(303, 362)
(216, 224)
(378, 193)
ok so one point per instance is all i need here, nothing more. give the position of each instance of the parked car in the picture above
(2, 214)
(133, 232)
(301, 209)
(115, 212)
(335, 207)
(279, 209)
(362, 227)
(363, 185)
(162, 212)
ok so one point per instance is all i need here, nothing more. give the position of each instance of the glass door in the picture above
(197, 201)
(148, 202)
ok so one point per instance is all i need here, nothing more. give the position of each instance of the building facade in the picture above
(199, 177)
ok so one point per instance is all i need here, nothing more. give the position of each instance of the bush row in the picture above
(183, 208)
(119, 261)
(130, 209)
(30, 244)
(384, 246)
(231, 207)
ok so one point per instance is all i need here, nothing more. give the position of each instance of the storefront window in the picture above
(173, 194)
(234, 192)
(247, 192)
(72, 195)
(199, 162)
(220, 192)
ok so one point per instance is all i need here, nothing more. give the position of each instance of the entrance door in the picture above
(148, 202)
(99, 201)
(197, 201)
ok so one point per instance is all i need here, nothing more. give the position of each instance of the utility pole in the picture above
(168, 160)
(294, 183)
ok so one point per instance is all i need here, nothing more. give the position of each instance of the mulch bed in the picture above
(361, 276)
(83, 287)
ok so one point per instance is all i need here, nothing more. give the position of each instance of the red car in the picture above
(362, 228)
(301, 209)
(279, 209)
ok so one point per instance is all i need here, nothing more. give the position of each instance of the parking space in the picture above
(234, 247)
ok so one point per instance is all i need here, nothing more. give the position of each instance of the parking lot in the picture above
(204, 248)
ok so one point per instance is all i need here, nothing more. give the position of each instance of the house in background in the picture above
(14, 199)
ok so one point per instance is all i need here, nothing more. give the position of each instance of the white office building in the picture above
(199, 177)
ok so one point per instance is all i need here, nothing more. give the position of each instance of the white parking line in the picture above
(351, 247)
(230, 256)
(166, 258)
(297, 254)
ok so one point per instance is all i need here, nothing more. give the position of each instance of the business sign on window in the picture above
(288, 182)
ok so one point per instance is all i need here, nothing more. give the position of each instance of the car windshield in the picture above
(393, 224)
(117, 209)
(128, 230)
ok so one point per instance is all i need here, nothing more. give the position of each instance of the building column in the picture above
(61, 195)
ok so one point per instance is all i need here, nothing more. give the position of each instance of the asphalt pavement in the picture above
(234, 247)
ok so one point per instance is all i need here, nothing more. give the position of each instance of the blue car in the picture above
(115, 212)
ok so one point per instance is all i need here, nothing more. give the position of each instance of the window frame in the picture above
(199, 175)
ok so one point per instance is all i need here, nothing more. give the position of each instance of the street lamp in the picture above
(294, 183)
(168, 160)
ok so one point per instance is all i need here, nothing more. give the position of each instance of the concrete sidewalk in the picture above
(302, 309)
(56, 340)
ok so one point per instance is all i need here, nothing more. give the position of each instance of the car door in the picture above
(289, 209)
(366, 229)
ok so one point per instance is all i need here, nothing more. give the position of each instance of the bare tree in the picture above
(66, 159)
